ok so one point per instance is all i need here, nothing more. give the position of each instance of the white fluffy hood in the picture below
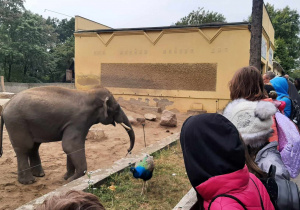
(253, 119)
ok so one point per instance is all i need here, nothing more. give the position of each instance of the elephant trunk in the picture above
(122, 119)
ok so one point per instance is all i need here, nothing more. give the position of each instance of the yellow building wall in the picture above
(267, 25)
(268, 35)
(226, 47)
(82, 23)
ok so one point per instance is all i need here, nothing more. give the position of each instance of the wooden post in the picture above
(2, 84)
(256, 34)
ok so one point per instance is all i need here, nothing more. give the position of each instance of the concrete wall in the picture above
(14, 87)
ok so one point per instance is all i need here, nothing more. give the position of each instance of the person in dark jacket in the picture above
(214, 158)
(292, 91)
(297, 84)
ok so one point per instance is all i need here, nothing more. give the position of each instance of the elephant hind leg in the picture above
(35, 161)
(22, 143)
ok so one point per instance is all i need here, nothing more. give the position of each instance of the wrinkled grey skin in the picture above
(47, 114)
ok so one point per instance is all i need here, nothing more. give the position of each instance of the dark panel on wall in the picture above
(169, 76)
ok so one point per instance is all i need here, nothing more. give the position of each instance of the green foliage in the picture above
(10, 10)
(63, 28)
(295, 73)
(286, 24)
(33, 49)
(63, 55)
(201, 16)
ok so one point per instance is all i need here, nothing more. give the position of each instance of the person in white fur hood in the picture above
(253, 119)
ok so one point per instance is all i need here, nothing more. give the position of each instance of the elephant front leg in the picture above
(75, 158)
(24, 171)
(79, 161)
(70, 168)
(35, 161)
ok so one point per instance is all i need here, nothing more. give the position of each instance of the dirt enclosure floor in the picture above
(99, 153)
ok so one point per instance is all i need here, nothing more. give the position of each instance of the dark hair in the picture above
(273, 94)
(252, 166)
(297, 83)
(78, 200)
(247, 83)
(270, 74)
(270, 91)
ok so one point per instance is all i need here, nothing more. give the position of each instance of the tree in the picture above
(10, 10)
(25, 43)
(63, 28)
(35, 40)
(34, 49)
(63, 55)
(201, 16)
(256, 34)
(286, 23)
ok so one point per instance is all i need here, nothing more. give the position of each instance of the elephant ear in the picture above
(105, 107)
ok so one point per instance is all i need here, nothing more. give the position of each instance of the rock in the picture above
(168, 118)
(132, 120)
(141, 120)
(96, 134)
(151, 117)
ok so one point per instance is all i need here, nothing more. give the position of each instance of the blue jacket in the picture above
(281, 86)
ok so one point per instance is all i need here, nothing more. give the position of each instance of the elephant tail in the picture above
(1, 136)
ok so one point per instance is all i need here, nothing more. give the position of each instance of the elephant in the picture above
(47, 114)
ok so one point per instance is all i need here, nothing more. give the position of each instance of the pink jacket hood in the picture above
(237, 184)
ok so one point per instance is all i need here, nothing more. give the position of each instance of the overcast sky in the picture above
(146, 13)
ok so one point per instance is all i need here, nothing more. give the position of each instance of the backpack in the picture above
(283, 193)
(295, 111)
(289, 144)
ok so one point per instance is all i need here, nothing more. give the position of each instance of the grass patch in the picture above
(167, 186)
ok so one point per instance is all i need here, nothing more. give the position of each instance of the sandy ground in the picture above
(99, 153)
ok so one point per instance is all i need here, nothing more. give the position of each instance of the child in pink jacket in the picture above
(214, 158)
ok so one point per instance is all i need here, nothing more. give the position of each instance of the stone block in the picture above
(168, 118)
(141, 120)
(132, 120)
(151, 117)
(96, 134)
